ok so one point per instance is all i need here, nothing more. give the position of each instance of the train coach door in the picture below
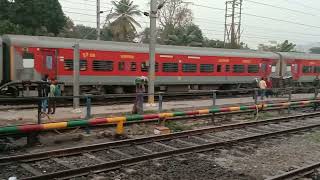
(49, 63)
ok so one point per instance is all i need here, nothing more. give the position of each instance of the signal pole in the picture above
(76, 75)
(152, 49)
(98, 19)
(232, 32)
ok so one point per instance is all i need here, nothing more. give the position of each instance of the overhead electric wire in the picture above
(246, 36)
(302, 4)
(282, 8)
(258, 16)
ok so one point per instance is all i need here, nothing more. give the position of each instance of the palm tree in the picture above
(123, 26)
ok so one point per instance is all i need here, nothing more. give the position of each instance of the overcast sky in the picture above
(304, 30)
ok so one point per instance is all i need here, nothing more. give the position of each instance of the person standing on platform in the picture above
(316, 82)
(43, 92)
(52, 94)
(269, 85)
(263, 87)
(255, 84)
(140, 89)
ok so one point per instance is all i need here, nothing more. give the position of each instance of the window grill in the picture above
(253, 68)
(189, 68)
(102, 65)
(68, 65)
(307, 69)
(170, 67)
(206, 68)
(238, 68)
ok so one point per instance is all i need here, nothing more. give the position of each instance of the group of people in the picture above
(49, 89)
(265, 86)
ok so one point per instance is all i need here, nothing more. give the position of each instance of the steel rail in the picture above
(297, 173)
(128, 161)
(102, 146)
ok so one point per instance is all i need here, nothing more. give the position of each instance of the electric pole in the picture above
(98, 19)
(152, 49)
(76, 75)
(232, 32)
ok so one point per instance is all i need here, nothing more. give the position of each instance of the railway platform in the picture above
(11, 117)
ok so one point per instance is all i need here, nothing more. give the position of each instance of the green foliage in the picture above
(177, 126)
(190, 35)
(213, 43)
(283, 47)
(315, 50)
(123, 25)
(84, 32)
(31, 17)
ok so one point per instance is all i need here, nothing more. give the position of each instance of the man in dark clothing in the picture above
(269, 90)
(316, 82)
(44, 91)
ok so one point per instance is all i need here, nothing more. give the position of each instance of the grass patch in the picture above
(150, 112)
(314, 137)
(177, 126)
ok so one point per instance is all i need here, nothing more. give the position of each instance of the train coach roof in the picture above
(57, 42)
(307, 56)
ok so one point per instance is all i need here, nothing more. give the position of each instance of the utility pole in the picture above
(98, 19)
(76, 75)
(232, 33)
(152, 49)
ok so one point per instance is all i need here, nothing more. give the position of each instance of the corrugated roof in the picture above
(57, 42)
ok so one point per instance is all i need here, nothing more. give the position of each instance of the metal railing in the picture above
(160, 97)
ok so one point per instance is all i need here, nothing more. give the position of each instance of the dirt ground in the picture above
(254, 160)
(271, 157)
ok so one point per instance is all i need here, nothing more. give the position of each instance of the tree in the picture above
(190, 35)
(68, 29)
(175, 13)
(213, 43)
(123, 26)
(31, 17)
(283, 47)
(315, 50)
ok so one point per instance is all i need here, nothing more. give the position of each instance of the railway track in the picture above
(72, 162)
(301, 172)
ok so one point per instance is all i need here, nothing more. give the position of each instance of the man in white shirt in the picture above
(263, 87)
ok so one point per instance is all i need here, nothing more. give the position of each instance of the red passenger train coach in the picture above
(113, 66)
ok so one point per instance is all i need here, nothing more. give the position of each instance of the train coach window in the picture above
(49, 61)
(189, 68)
(307, 69)
(144, 67)
(288, 68)
(228, 68)
(133, 66)
(253, 68)
(28, 60)
(219, 68)
(170, 67)
(121, 66)
(316, 69)
(238, 68)
(273, 68)
(206, 67)
(68, 65)
(28, 63)
(101, 65)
